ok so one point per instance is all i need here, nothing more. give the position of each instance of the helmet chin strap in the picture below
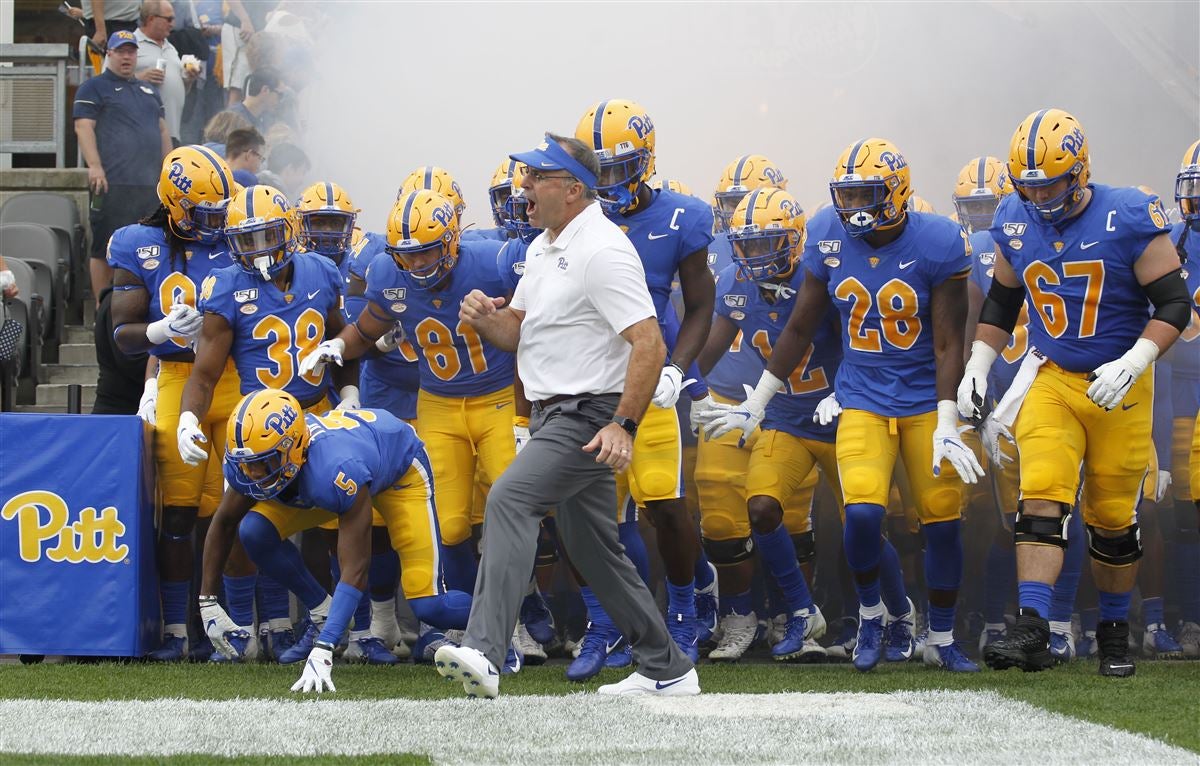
(263, 263)
(782, 291)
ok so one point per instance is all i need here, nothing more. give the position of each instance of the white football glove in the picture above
(349, 398)
(670, 383)
(317, 672)
(328, 351)
(992, 431)
(190, 438)
(219, 627)
(948, 445)
(744, 416)
(972, 389)
(827, 409)
(1161, 485)
(521, 436)
(148, 405)
(697, 410)
(1112, 380)
(182, 322)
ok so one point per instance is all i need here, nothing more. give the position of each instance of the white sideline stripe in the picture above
(929, 727)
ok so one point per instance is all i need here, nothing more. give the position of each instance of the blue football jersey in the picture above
(389, 381)
(489, 235)
(883, 296)
(145, 252)
(1184, 355)
(510, 263)
(453, 359)
(350, 452)
(739, 366)
(272, 329)
(1086, 306)
(983, 268)
(742, 302)
(670, 228)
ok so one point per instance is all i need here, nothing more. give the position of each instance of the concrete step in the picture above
(56, 394)
(72, 373)
(77, 353)
(43, 409)
(75, 333)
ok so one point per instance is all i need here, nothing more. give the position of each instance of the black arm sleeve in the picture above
(1169, 295)
(1002, 307)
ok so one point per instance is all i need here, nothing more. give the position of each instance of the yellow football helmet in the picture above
(980, 185)
(679, 187)
(919, 204)
(622, 135)
(422, 225)
(871, 184)
(1048, 146)
(438, 180)
(195, 185)
(265, 443)
(505, 179)
(767, 231)
(261, 229)
(1187, 186)
(740, 177)
(327, 219)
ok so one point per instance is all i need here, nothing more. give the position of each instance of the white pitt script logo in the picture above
(92, 538)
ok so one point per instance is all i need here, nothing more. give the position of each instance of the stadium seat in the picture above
(35, 243)
(61, 213)
(28, 308)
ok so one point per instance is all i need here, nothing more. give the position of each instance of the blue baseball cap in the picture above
(549, 155)
(123, 37)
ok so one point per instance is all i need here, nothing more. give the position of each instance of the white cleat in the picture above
(687, 685)
(737, 633)
(1189, 639)
(478, 675)
(533, 652)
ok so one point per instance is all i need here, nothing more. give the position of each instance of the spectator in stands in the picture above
(264, 91)
(244, 19)
(8, 283)
(244, 155)
(290, 165)
(123, 137)
(219, 128)
(102, 18)
(158, 61)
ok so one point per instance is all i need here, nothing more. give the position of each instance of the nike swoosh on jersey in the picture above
(653, 236)
(215, 255)
(118, 90)
(661, 685)
(1086, 245)
(904, 265)
(312, 294)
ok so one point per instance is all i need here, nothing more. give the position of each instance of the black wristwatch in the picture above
(629, 424)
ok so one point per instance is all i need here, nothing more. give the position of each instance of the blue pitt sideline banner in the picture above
(77, 569)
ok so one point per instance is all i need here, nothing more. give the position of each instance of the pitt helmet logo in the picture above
(91, 539)
(791, 207)
(179, 179)
(443, 214)
(894, 160)
(279, 421)
(1072, 142)
(280, 200)
(774, 176)
(641, 125)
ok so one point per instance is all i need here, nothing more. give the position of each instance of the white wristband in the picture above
(348, 392)
(767, 387)
(947, 414)
(1141, 355)
(982, 357)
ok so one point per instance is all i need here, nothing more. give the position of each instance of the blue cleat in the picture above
(799, 638)
(843, 646)
(683, 630)
(706, 609)
(992, 632)
(899, 641)
(279, 641)
(245, 645)
(595, 646)
(621, 657)
(1087, 645)
(428, 643)
(370, 650)
(298, 652)
(1158, 644)
(868, 649)
(537, 619)
(1062, 646)
(950, 657)
(513, 661)
(174, 649)
(202, 651)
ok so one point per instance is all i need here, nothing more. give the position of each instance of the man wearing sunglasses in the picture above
(158, 62)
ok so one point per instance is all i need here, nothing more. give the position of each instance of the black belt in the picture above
(544, 403)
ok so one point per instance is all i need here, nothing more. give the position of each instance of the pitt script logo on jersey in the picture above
(92, 538)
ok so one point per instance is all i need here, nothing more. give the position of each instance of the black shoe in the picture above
(1027, 645)
(1112, 641)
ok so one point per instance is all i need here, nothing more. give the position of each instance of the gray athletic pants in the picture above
(552, 471)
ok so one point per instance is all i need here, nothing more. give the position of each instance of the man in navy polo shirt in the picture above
(123, 137)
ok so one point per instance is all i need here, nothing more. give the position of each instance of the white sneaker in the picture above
(534, 653)
(777, 628)
(687, 685)
(461, 663)
(1189, 639)
(737, 633)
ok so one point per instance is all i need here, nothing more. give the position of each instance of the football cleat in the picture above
(299, 651)
(386, 630)
(776, 629)
(992, 632)
(246, 646)
(532, 650)
(950, 657)
(369, 649)
(174, 648)
(843, 646)
(428, 643)
(1086, 648)
(278, 642)
(594, 648)
(1027, 645)
(899, 641)
(621, 657)
(1112, 640)
(686, 685)
(706, 609)
(513, 660)
(799, 638)
(683, 630)
(1189, 639)
(479, 677)
(202, 651)
(1062, 642)
(868, 648)
(1158, 644)
(737, 635)
(537, 618)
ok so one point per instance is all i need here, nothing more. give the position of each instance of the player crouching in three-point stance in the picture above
(289, 471)
(1090, 260)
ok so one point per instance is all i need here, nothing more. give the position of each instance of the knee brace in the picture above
(806, 546)
(1041, 530)
(725, 553)
(547, 544)
(178, 521)
(1119, 551)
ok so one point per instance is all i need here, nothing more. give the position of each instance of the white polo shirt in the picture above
(578, 294)
(172, 91)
